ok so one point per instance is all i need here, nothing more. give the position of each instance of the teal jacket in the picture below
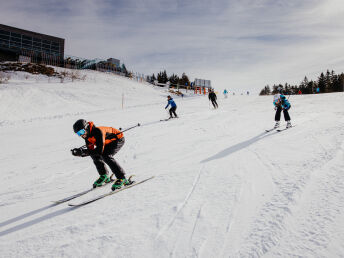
(281, 100)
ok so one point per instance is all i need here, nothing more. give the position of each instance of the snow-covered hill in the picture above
(222, 187)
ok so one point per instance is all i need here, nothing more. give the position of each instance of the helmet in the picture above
(79, 125)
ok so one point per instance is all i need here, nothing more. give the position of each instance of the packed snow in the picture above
(223, 187)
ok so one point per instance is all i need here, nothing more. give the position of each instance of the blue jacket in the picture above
(281, 100)
(171, 102)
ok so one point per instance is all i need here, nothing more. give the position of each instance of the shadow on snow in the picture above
(34, 221)
(238, 147)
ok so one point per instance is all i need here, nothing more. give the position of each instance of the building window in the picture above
(15, 35)
(4, 32)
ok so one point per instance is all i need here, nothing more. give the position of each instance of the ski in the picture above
(281, 130)
(269, 130)
(78, 194)
(169, 118)
(109, 193)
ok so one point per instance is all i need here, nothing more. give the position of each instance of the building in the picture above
(202, 83)
(28, 46)
(114, 61)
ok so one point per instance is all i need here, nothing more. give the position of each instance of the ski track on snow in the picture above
(181, 206)
(267, 232)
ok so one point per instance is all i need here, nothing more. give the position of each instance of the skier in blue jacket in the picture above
(281, 103)
(173, 106)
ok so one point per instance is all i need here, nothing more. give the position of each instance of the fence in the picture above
(78, 63)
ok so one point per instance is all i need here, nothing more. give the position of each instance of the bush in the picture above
(4, 77)
(30, 68)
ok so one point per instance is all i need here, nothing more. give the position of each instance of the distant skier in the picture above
(225, 93)
(173, 106)
(212, 96)
(101, 144)
(281, 103)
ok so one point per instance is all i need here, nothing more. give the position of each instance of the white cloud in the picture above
(243, 44)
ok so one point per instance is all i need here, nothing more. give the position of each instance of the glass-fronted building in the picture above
(28, 46)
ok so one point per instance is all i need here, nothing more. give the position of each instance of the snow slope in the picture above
(222, 187)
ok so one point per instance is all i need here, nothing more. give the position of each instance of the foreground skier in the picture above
(281, 103)
(101, 144)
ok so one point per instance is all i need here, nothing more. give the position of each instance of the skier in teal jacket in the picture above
(281, 103)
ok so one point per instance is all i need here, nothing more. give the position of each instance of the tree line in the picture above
(174, 79)
(326, 82)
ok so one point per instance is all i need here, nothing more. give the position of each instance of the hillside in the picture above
(222, 187)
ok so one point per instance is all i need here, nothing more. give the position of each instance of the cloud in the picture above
(239, 44)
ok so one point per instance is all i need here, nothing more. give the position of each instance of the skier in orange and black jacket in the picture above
(101, 144)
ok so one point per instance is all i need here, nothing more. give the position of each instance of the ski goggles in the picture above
(81, 132)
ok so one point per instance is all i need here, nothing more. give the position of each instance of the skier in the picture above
(101, 144)
(225, 93)
(173, 106)
(281, 103)
(212, 96)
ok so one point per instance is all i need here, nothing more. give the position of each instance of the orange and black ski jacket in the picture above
(99, 137)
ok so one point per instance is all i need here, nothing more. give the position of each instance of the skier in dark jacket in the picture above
(173, 106)
(281, 103)
(212, 96)
(101, 144)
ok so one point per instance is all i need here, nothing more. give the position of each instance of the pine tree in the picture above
(174, 79)
(322, 82)
(164, 77)
(265, 91)
(152, 78)
(184, 80)
(328, 81)
(160, 77)
(311, 87)
(338, 84)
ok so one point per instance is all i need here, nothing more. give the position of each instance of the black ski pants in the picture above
(173, 111)
(213, 101)
(107, 158)
(285, 113)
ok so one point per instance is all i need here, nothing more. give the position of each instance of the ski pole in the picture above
(128, 128)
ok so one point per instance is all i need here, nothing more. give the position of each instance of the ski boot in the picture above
(103, 179)
(277, 124)
(121, 182)
(288, 124)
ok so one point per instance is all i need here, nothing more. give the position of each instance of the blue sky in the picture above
(240, 45)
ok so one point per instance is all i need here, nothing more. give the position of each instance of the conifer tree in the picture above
(265, 91)
(184, 80)
(328, 81)
(174, 79)
(322, 82)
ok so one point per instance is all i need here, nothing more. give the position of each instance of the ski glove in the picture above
(80, 152)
